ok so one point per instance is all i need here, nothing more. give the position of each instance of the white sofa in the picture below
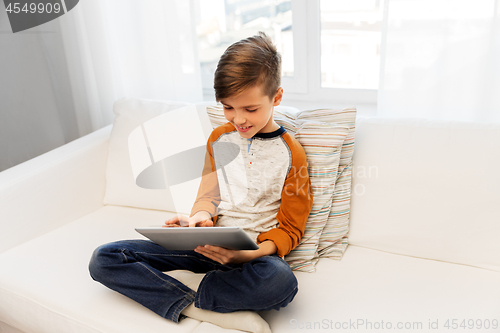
(423, 254)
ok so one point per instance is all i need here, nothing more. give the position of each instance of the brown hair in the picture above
(247, 63)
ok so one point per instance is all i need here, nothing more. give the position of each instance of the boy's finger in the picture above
(217, 249)
(171, 223)
(181, 220)
(171, 226)
(209, 253)
(174, 219)
(205, 223)
(189, 223)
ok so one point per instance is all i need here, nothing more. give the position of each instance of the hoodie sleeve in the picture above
(208, 197)
(296, 203)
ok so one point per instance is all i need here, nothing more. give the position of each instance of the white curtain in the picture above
(58, 81)
(441, 60)
(129, 48)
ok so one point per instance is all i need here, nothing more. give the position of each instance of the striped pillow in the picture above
(334, 238)
(322, 143)
(216, 115)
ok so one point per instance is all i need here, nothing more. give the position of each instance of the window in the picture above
(330, 48)
(350, 43)
(223, 22)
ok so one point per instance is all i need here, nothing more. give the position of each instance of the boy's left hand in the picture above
(226, 256)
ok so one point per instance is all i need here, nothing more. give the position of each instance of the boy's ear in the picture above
(278, 97)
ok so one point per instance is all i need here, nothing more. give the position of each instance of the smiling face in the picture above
(251, 112)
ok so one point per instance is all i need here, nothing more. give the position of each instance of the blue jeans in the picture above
(134, 268)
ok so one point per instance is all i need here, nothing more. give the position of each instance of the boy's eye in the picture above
(230, 108)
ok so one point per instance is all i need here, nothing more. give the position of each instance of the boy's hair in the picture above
(247, 63)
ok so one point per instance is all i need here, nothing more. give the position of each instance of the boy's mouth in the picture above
(243, 129)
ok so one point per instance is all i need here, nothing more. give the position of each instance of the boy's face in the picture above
(251, 112)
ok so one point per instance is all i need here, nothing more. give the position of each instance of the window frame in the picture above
(305, 85)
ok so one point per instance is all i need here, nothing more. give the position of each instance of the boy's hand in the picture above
(226, 256)
(186, 221)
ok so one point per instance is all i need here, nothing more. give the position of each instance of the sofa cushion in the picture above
(45, 286)
(48, 288)
(370, 288)
(428, 189)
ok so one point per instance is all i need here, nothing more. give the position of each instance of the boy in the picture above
(268, 195)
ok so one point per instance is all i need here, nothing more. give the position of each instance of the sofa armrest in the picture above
(53, 189)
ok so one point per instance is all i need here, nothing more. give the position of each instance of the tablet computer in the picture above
(188, 238)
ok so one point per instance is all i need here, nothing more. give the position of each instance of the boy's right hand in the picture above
(185, 221)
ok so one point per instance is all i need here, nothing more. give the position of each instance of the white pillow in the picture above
(121, 187)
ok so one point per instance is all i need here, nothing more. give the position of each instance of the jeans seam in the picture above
(177, 312)
(166, 281)
(197, 299)
(177, 255)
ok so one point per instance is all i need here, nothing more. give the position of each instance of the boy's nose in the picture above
(239, 120)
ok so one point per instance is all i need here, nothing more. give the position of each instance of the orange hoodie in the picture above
(264, 189)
